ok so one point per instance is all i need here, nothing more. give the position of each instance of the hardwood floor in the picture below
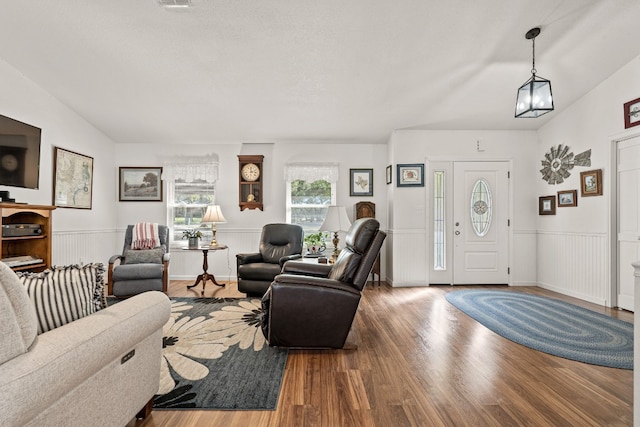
(421, 362)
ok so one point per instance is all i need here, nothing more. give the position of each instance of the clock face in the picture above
(9, 162)
(250, 172)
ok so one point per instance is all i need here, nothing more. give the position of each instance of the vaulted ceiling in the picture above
(310, 70)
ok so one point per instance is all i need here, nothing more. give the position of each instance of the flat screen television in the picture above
(19, 153)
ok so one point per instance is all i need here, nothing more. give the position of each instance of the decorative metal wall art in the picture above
(559, 161)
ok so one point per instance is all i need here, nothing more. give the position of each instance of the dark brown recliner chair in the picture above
(279, 243)
(313, 305)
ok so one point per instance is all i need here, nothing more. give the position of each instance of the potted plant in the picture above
(193, 236)
(315, 243)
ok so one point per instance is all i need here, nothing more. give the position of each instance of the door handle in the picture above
(457, 233)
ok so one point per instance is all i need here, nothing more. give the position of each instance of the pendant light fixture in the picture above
(534, 96)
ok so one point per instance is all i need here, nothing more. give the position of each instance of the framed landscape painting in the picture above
(140, 184)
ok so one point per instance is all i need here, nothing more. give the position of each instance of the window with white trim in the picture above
(311, 188)
(191, 185)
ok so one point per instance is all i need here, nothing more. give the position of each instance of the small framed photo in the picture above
(632, 113)
(410, 175)
(140, 184)
(547, 205)
(591, 183)
(361, 183)
(72, 179)
(567, 198)
(389, 173)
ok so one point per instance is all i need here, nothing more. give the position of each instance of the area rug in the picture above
(551, 326)
(215, 357)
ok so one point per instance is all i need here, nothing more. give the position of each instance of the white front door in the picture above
(480, 223)
(628, 219)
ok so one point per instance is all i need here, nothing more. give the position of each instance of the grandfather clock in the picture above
(368, 210)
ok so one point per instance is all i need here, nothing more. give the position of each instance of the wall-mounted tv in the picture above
(19, 153)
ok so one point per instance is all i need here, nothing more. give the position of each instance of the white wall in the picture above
(61, 127)
(242, 230)
(408, 263)
(574, 246)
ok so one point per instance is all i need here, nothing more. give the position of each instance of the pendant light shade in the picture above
(534, 96)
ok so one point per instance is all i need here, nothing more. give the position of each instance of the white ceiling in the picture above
(310, 70)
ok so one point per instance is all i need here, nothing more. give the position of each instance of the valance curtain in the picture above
(312, 172)
(191, 169)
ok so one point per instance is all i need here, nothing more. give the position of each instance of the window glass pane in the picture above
(308, 202)
(481, 207)
(438, 221)
(189, 204)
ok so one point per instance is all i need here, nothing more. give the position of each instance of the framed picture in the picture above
(389, 173)
(547, 205)
(72, 179)
(410, 175)
(632, 113)
(361, 183)
(140, 184)
(567, 198)
(591, 183)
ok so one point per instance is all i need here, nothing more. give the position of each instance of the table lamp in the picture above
(335, 221)
(213, 215)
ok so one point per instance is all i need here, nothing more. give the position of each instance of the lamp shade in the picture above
(534, 98)
(213, 214)
(336, 219)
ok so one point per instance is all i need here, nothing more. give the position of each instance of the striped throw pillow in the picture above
(63, 294)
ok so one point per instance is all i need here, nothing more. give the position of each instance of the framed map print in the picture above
(72, 179)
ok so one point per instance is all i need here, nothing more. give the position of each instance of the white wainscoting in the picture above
(575, 264)
(186, 265)
(406, 265)
(78, 247)
(83, 247)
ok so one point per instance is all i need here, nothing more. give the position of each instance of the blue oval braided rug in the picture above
(551, 326)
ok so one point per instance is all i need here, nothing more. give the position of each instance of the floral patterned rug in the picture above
(216, 357)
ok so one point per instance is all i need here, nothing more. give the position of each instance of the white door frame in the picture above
(429, 216)
(613, 211)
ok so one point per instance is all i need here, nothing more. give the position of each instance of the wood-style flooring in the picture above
(421, 362)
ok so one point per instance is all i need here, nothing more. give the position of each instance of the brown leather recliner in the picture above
(278, 243)
(313, 305)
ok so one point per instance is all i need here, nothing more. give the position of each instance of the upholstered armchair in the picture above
(136, 271)
(278, 243)
(313, 305)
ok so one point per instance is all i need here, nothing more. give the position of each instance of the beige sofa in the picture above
(100, 370)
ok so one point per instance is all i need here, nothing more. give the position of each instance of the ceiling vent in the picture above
(175, 4)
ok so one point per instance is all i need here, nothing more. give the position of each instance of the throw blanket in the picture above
(145, 236)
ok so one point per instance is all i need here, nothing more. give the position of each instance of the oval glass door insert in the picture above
(481, 207)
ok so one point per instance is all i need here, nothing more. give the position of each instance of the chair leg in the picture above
(146, 411)
(110, 280)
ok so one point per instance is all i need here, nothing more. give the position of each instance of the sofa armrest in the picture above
(289, 258)
(65, 357)
(115, 258)
(248, 258)
(305, 268)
